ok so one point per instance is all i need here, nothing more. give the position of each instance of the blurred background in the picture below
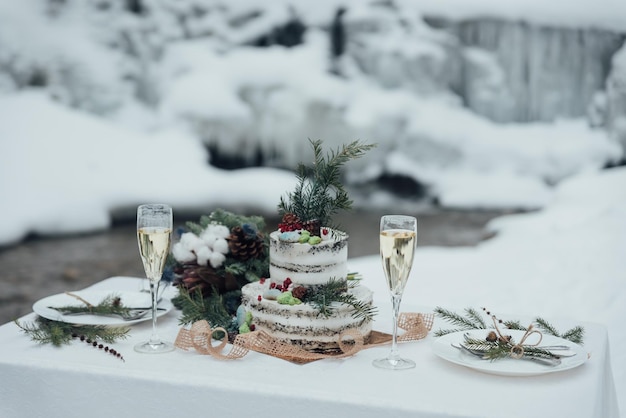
(478, 109)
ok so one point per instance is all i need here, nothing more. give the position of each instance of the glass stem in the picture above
(154, 291)
(395, 300)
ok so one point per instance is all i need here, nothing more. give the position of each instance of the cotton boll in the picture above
(181, 254)
(216, 259)
(204, 255)
(221, 231)
(221, 246)
(191, 241)
(208, 237)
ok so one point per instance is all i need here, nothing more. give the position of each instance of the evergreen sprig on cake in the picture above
(319, 193)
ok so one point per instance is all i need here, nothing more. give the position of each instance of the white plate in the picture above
(442, 347)
(130, 299)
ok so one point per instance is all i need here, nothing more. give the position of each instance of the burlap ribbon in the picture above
(517, 350)
(200, 337)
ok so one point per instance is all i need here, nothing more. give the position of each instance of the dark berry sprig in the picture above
(99, 346)
(514, 325)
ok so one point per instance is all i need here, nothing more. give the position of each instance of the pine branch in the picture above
(195, 307)
(475, 316)
(319, 193)
(473, 320)
(575, 335)
(46, 331)
(336, 291)
(459, 320)
(442, 332)
(546, 327)
(517, 325)
(492, 350)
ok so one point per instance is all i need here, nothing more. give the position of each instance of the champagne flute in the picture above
(398, 239)
(154, 232)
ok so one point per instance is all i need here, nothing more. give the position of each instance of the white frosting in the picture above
(302, 324)
(309, 265)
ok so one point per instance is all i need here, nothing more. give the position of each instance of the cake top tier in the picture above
(309, 265)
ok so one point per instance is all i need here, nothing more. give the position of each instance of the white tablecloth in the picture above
(78, 380)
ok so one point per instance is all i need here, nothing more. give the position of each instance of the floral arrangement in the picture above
(213, 259)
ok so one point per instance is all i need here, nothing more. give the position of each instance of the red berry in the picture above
(259, 298)
(262, 281)
(252, 327)
(324, 231)
(279, 287)
(272, 285)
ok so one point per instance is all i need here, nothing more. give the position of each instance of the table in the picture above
(78, 380)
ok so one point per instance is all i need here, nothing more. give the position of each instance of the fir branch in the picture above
(473, 320)
(195, 307)
(575, 335)
(442, 332)
(546, 327)
(465, 323)
(492, 350)
(475, 316)
(336, 291)
(46, 331)
(517, 325)
(319, 192)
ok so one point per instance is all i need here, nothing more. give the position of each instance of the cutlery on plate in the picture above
(481, 354)
(131, 315)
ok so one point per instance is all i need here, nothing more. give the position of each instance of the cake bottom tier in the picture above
(302, 324)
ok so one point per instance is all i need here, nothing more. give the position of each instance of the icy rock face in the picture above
(484, 85)
(616, 98)
(507, 71)
(535, 73)
(401, 51)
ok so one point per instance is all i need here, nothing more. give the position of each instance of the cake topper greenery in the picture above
(319, 193)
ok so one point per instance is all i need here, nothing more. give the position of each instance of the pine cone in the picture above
(299, 292)
(290, 222)
(313, 226)
(205, 279)
(245, 245)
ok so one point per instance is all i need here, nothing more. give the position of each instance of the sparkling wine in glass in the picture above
(398, 239)
(154, 232)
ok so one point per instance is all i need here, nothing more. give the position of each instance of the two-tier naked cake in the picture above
(297, 268)
(308, 300)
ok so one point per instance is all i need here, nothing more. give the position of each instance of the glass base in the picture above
(152, 348)
(394, 364)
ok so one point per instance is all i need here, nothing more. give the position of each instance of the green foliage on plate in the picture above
(473, 319)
